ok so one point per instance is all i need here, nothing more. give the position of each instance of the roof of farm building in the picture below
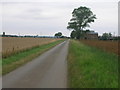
(92, 32)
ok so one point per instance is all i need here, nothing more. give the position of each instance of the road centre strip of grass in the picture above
(15, 61)
(89, 67)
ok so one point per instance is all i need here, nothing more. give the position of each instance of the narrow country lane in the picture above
(49, 70)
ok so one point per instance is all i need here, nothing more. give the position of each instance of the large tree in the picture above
(81, 18)
(73, 34)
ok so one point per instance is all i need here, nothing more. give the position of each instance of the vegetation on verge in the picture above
(13, 62)
(89, 67)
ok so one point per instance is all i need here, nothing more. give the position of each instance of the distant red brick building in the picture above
(91, 35)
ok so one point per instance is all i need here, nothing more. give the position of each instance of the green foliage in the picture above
(81, 18)
(106, 36)
(77, 34)
(89, 67)
(86, 31)
(59, 34)
(73, 34)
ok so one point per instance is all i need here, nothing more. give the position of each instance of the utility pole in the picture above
(114, 34)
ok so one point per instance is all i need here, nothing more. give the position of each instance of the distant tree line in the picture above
(4, 35)
(108, 36)
(57, 35)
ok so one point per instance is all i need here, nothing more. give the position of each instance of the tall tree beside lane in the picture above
(81, 18)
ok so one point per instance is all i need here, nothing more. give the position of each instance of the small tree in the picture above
(106, 36)
(59, 34)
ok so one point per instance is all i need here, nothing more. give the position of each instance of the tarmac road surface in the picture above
(49, 70)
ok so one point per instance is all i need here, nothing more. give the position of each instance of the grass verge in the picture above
(15, 61)
(89, 67)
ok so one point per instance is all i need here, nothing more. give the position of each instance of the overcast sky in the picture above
(46, 17)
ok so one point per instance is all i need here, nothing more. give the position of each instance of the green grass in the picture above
(15, 61)
(89, 67)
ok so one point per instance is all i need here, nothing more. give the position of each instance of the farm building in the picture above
(91, 35)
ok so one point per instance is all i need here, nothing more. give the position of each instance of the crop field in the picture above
(110, 46)
(12, 45)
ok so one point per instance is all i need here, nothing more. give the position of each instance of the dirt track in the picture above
(46, 71)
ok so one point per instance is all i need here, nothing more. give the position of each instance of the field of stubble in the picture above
(13, 45)
(109, 46)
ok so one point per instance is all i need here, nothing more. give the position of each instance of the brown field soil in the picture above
(13, 45)
(110, 46)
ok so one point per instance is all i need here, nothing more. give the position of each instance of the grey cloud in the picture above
(33, 20)
(34, 10)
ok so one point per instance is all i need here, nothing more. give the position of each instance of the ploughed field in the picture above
(109, 46)
(13, 45)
